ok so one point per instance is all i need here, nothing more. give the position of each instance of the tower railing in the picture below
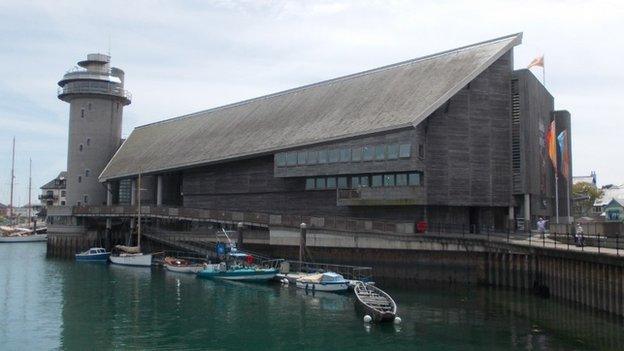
(93, 88)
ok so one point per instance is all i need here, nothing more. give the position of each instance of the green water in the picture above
(59, 304)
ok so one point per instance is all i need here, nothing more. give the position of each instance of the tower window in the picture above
(80, 147)
(85, 199)
(87, 172)
(79, 179)
(82, 113)
(89, 106)
(88, 141)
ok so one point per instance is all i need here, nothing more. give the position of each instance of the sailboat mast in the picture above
(29, 191)
(12, 180)
(139, 213)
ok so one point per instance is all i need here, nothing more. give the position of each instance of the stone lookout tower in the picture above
(96, 96)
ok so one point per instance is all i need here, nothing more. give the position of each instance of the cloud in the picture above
(182, 57)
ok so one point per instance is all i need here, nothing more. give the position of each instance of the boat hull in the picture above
(183, 269)
(24, 239)
(139, 260)
(332, 287)
(374, 302)
(240, 275)
(93, 258)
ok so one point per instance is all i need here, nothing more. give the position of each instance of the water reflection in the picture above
(51, 304)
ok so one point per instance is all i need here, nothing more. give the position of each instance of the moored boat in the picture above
(375, 302)
(94, 254)
(328, 281)
(130, 256)
(238, 273)
(22, 237)
(179, 265)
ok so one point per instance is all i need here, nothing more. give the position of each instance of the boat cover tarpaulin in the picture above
(128, 249)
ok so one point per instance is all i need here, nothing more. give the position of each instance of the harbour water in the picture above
(60, 304)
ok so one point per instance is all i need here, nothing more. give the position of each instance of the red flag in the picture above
(538, 61)
(551, 144)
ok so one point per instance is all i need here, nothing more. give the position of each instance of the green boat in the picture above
(217, 271)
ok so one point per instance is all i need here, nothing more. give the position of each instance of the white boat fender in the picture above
(397, 320)
(368, 319)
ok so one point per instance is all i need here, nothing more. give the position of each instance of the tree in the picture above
(584, 195)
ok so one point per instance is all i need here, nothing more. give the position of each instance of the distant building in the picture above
(609, 192)
(614, 211)
(4, 209)
(53, 193)
(590, 179)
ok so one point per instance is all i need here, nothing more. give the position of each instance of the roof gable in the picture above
(387, 98)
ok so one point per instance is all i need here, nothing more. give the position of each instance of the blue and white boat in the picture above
(94, 254)
(328, 281)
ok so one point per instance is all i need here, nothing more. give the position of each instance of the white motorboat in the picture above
(328, 281)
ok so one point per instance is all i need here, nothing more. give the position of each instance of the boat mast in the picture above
(29, 191)
(12, 179)
(139, 213)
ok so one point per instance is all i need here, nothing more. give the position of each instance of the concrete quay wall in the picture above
(587, 278)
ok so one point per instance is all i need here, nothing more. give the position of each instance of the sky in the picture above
(185, 56)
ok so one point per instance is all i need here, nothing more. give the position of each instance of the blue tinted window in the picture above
(322, 156)
(393, 151)
(312, 157)
(301, 157)
(401, 179)
(363, 181)
(320, 183)
(345, 155)
(367, 153)
(334, 155)
(342, 183)
(388, 179)
(380, 152)
(356, 154)
(291, 159)
(414, 179)
(355, 182)
(377, 180)
(404, 150)
(309, 183)
(280, 159)
(331, 182)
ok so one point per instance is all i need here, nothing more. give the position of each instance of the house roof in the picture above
(56, 183)
(387, 98)
(612, 192)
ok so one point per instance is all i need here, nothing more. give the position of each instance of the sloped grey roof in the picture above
(386, 98)
(53, 184)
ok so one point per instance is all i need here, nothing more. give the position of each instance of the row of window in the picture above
(356, 154)
(87, 173)
(363, 181)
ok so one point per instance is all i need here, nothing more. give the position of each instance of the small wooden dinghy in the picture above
(375, 302)
(180, 265)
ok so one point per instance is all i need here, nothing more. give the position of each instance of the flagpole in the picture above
(544, 70)
(556, 195)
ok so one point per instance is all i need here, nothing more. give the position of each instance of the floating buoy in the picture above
(368, 319)
(397, 320)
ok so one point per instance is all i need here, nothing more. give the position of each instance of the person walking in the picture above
(579, 240)
(541, 226)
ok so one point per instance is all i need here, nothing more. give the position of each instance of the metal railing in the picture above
(93, 88)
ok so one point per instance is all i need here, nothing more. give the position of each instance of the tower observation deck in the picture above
(96, 95)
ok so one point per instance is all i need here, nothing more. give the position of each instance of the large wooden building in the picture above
(456, 137)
